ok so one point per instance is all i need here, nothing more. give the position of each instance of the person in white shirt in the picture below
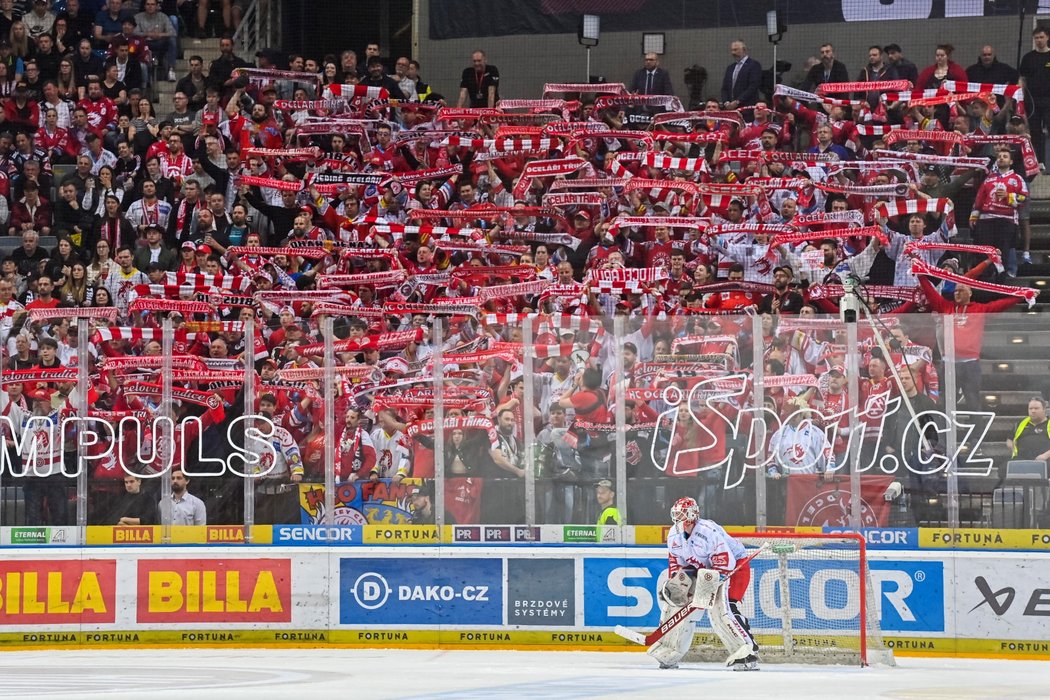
(186, 509)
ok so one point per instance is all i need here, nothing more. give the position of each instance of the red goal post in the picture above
(810, 600)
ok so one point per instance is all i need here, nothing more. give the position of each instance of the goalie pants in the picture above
(739, 582)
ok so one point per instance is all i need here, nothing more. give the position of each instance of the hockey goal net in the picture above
(810, 601)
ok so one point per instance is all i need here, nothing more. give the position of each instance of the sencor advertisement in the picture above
(910, 595)
(421, 591)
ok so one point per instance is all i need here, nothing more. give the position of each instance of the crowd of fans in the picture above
(295, 189)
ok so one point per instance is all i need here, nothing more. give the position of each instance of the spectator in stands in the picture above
(479, 84)
(943, 68)
(47, 58)
(989, 69)
(86, 63)
(21, 113)
(186, 509)
(8, 16)
(1035, 78)
(1031, 437)
(221, 69)
(160, 35)
(742, 79)
(78, 22)
(829, 70)
(108, 24)
(136, 507)
(906, 70)
(40, 21)
(129, 71)
(31, 213)
(651, 79)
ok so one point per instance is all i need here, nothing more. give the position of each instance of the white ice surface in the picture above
(316, 674)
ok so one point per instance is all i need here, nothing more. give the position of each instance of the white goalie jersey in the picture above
(708, 547)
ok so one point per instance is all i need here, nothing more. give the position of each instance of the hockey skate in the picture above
(748, 663)
(667, 666)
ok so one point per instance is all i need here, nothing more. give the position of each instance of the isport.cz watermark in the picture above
(720, 397)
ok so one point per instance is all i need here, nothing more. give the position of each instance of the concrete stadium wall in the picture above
(527, 62)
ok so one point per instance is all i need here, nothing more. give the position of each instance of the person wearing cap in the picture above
(906, 70)
(422, 504)
(783, 299)
(609, 514)
(44, 486)
(21, 114)
(155, 251)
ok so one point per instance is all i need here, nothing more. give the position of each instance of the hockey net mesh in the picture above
(819, 620)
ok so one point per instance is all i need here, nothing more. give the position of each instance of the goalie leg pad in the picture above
(734, 635)
(670, 649)
(706, 589)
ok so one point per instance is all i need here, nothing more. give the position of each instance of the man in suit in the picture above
(742, 79)
(829, 70)
(652, 79)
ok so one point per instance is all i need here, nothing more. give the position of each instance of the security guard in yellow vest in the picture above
(606, 495)
(1031, 439)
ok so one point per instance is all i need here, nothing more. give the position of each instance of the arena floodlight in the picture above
(654, 43)
(589, 30)
(775, 29)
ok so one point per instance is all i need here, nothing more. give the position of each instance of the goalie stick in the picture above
(676, 619)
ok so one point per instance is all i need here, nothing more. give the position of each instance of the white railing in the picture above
(260, 27)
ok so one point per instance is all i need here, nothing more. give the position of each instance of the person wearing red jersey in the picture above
(258, 129)
(101, 111)
(994, 216)
(56, 141)
(969, 334)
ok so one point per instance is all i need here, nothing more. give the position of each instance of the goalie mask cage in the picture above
(810, 601)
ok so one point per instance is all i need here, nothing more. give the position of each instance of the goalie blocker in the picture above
(707, 570)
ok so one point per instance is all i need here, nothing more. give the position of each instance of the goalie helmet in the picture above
(685, 510)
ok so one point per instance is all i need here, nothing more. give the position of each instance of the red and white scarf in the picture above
(918, 267)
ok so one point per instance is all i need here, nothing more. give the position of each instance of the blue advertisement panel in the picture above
(316, 534)
(883, 537)
(421, 591)
(910, 594)
(621, 591)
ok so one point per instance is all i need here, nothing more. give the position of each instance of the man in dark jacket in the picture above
(990, 69)
(742, 80)
(651, 79)
(829, 70)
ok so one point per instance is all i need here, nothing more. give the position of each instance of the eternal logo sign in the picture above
(1001, 600)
